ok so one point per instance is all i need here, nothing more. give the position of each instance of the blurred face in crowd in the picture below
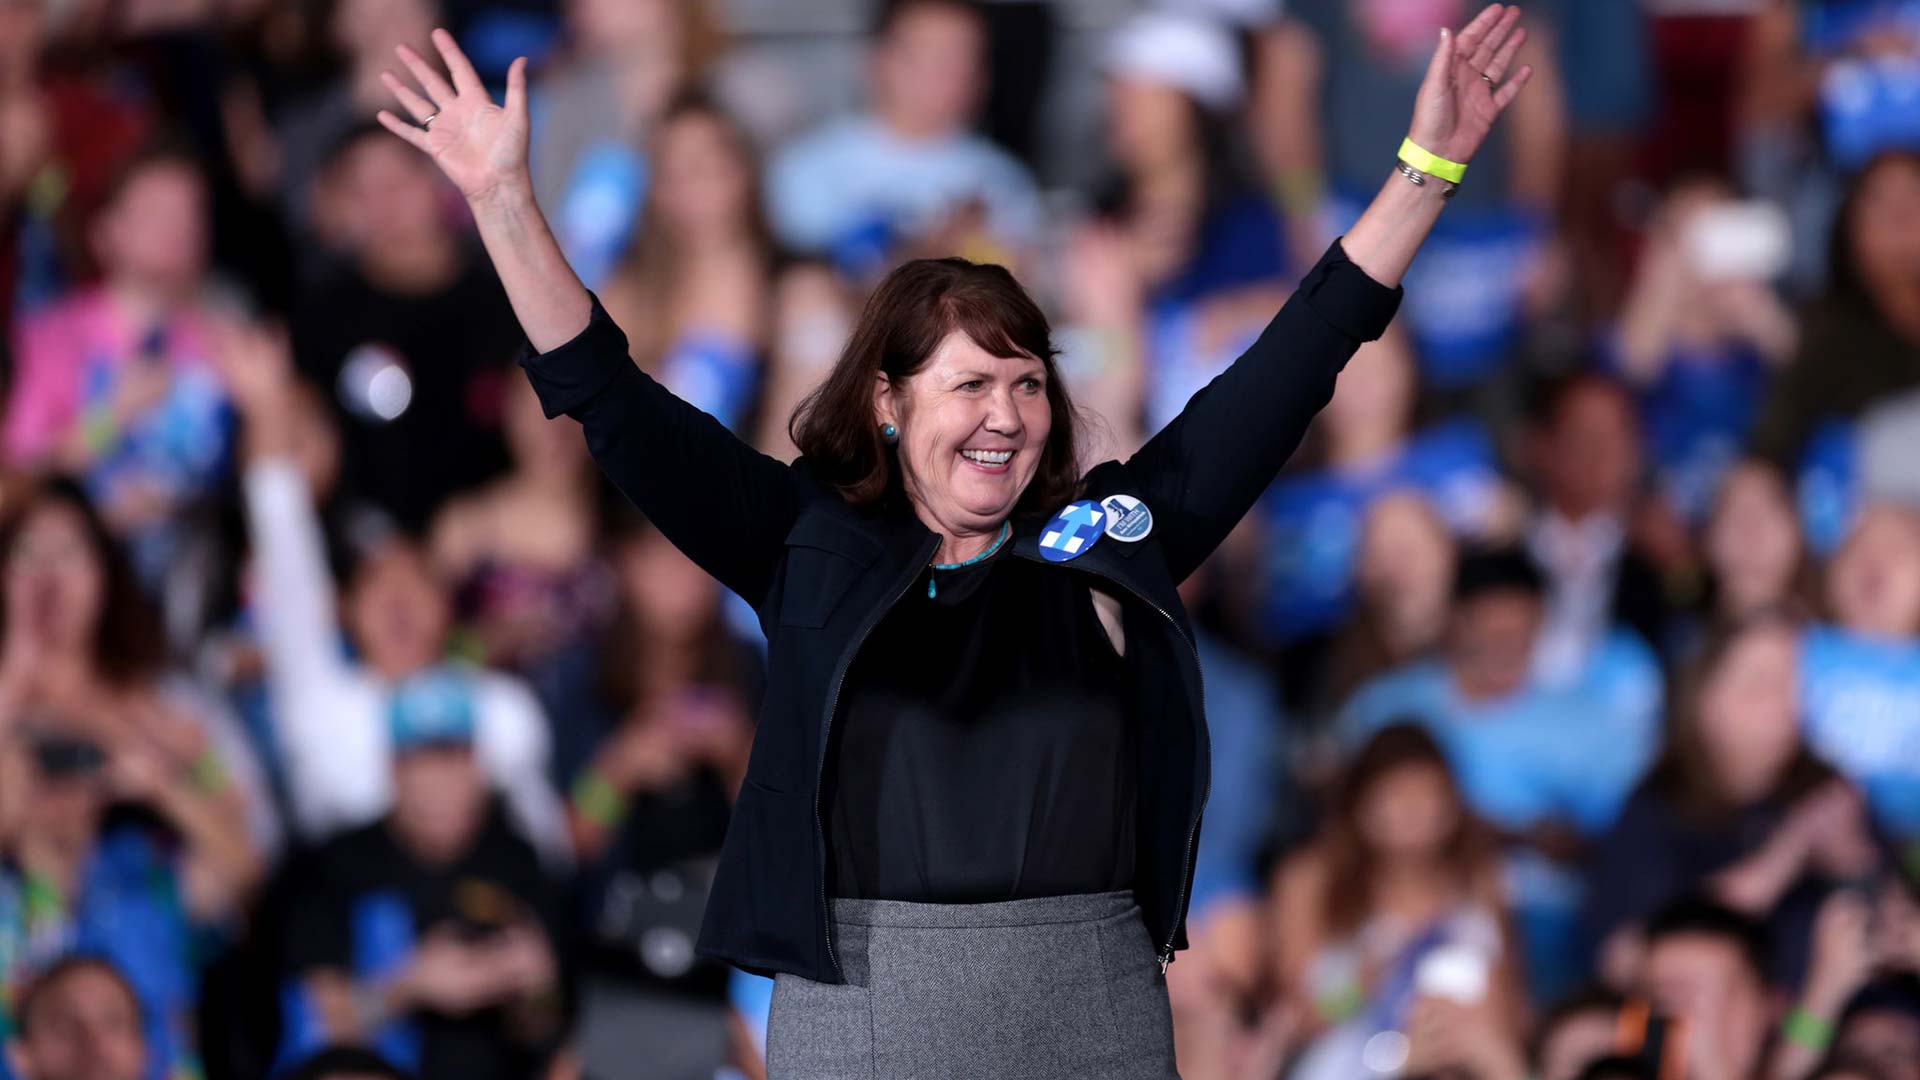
(626, 25)
(1575, 1041)
(1490, 642)
(55, 583)
(1705, 980)
(1887, 1039)
(64, 811)
(966, 401)
(1409, 813)
(1589, 454)
(702, 186)
(153, 235)
(86, 1026)
(20, 27)
(1373, 399)
(1149, 124)
(1873, 583)
(1753, 540)
(542, 447)
(1747, 714)
(396, 610)
(367, 30)
(1886, 225)
(380, 195)
(1406, 565)
(673, 598)
(929, 69)
(439, 799)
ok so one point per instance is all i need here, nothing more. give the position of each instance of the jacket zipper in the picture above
(1193, 825)
(826, 729)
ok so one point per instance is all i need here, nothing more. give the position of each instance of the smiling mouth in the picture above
(991, 460)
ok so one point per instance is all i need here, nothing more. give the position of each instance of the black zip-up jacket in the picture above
(822, 573)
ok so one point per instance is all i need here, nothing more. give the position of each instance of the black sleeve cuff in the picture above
(568, 376)
(1350, 301)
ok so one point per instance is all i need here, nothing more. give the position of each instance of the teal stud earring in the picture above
(890, 433)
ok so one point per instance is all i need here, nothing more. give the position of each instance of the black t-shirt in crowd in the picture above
(364, 901)
(985, 748)
(455, 347)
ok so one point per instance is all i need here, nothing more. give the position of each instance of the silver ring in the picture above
(428, 122)
(1488, 78)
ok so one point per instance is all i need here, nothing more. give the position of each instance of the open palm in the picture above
(481, 146)
(1462, 94)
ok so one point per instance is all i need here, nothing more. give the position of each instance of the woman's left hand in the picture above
(1463, 93)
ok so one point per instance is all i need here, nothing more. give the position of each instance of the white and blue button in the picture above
(1072, 531)
(1128, 518)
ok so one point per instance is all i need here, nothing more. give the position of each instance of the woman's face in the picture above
(621, 25)
(155, 232)
(1886, 225)
(1748, 711)
(672, 597)
(55, 583)
(1147, 123)
(1753, 540)
(973, 427)
(396, 611)
(543, 447)
(1406, 558)
(702, 187)
(1873, 585)
(1409, 813)
(1375, 392)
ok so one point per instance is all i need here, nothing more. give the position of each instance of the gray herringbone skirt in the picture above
(1056, 987)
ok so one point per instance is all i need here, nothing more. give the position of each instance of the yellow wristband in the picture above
(1420, 158)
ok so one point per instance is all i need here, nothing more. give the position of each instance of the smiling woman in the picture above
(965, 841)
(956, 358)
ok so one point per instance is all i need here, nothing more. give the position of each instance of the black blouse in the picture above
(985, 750)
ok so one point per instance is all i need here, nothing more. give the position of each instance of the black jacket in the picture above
(821, 574)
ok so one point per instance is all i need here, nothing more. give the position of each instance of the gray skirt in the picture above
(1055, 987)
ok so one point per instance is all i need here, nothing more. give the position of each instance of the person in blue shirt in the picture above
(1313, 518)
(1548, 766)
(1862, 672)
(1698, 339)
(1526, 755)
(864, 187)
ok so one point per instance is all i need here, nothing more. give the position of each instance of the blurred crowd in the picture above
(1564, 690)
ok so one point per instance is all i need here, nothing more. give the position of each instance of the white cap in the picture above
(1193, 55)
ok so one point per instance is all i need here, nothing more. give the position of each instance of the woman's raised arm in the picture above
(482, 147)
(1202, 472)
(1461, 97)
(728, 506)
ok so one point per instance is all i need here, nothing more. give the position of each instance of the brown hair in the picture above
(128, 645)
(655, 262)
(904, 321)
(1684, 771)
(1351, 863)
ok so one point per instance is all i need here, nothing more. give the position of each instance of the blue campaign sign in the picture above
(1072, 531)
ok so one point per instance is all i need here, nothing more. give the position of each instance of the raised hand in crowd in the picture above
(1445, 1035)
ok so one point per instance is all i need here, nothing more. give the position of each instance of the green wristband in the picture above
(597, 800)
(1807, 1031)
(1430, 163)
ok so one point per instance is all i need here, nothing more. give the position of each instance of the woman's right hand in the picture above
(481, 146)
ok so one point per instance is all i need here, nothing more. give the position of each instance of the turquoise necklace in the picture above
(1006, 529)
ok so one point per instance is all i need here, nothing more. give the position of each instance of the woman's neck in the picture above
(961, 547)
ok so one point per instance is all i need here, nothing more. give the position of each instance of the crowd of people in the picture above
(1564, 691)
